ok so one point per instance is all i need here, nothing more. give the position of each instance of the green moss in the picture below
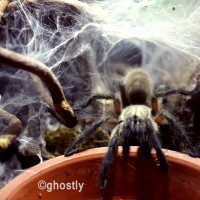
(58, 141)
(98, 139)
(5, 142)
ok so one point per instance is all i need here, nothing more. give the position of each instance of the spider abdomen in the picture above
(138, 86)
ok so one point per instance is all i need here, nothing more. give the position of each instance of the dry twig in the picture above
(61, 108)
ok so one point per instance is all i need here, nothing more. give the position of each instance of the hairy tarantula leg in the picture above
(128, 129)
(73, 147)
(154, 105)
(142, 140)
(126, 146)
(109, 157)
(180, 131)
(123, 95)
(156, 144)
(101, 96)
(162, 93)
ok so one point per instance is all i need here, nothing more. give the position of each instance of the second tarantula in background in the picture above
(140, 118)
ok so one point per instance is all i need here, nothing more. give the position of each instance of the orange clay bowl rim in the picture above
(30, 173)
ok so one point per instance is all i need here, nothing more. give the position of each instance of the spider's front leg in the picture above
(109, 157)
(163, 117)
(179, 130)
(73, 147)
(116, 101)
(152, 132)
(171, 120)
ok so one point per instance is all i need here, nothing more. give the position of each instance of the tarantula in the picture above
(140, 118)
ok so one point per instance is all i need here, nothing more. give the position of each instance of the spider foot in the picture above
(146, 150)
(102, 183)
(164, 165)
(70, 151)
(162, 162)
(194, 155)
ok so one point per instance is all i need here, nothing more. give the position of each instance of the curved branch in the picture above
(63, 110)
